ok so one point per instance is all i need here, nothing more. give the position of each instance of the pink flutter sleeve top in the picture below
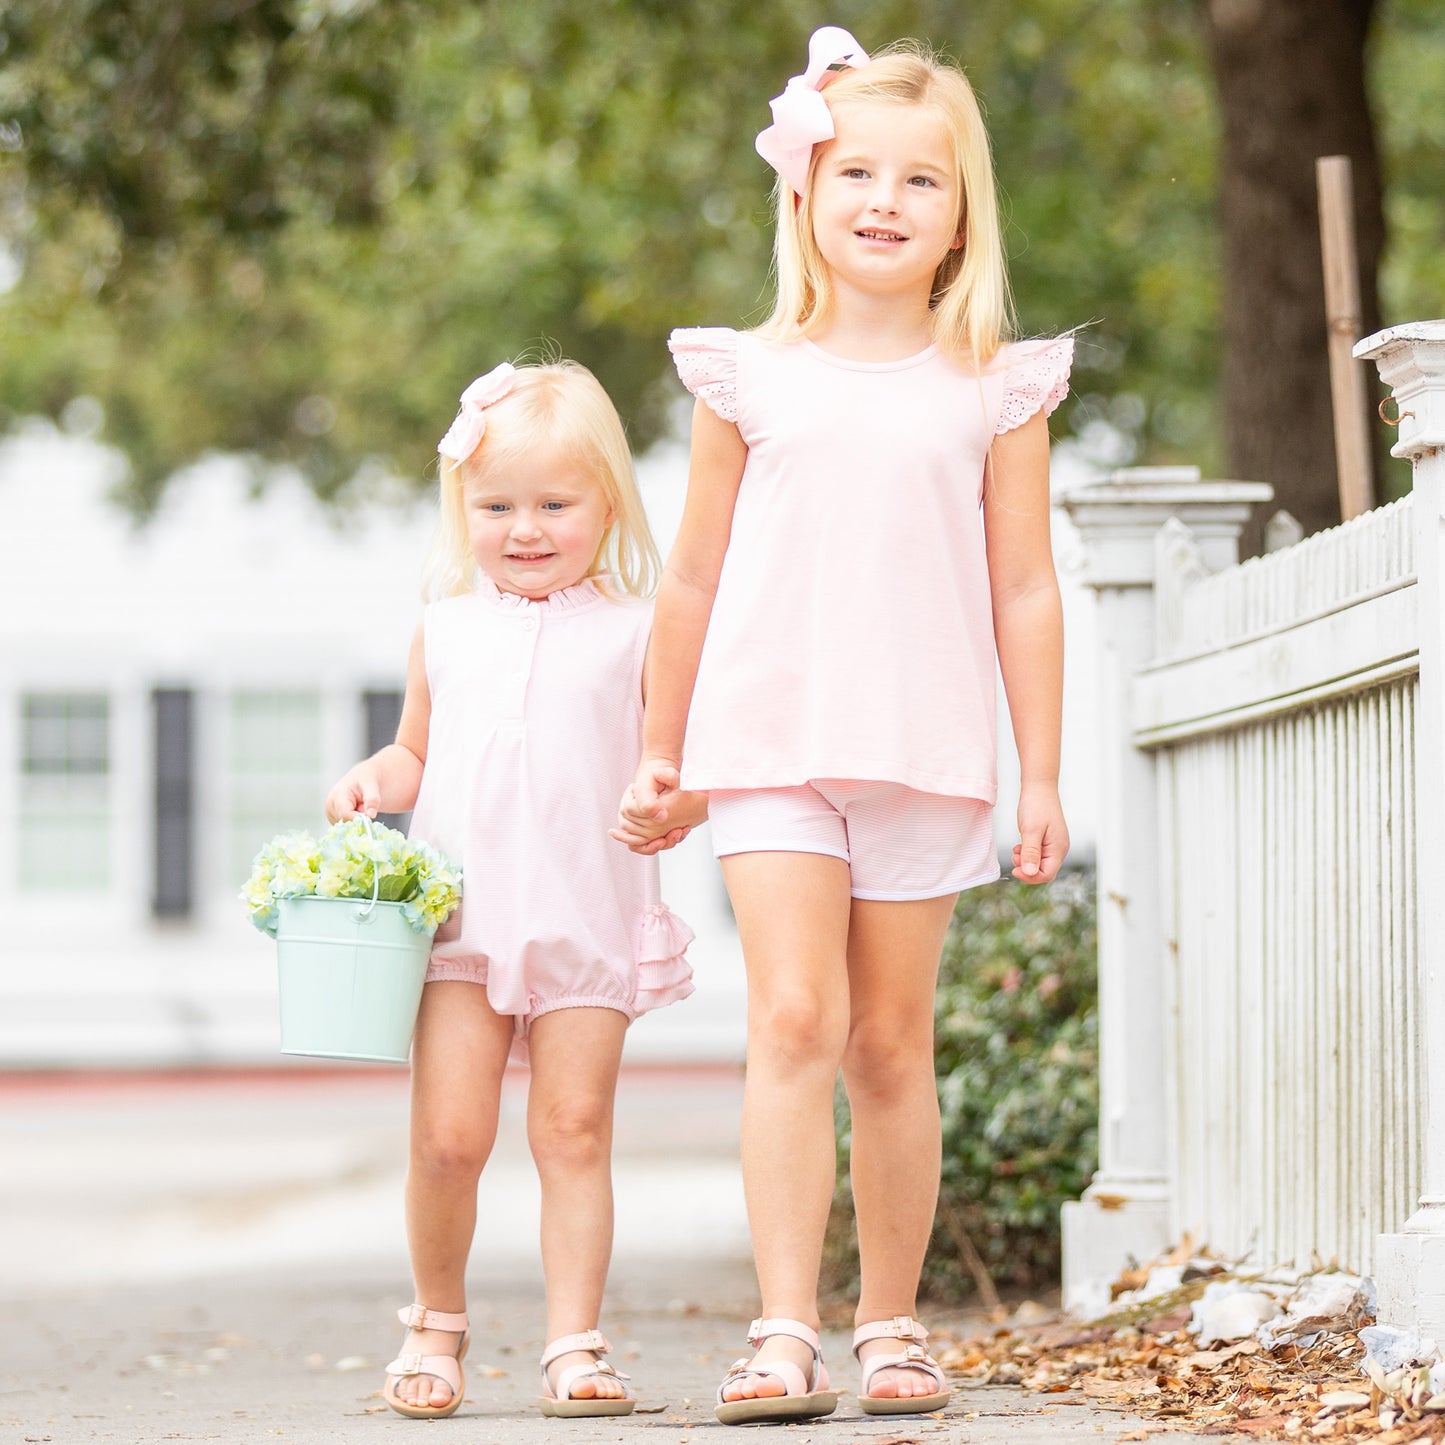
(852, 631)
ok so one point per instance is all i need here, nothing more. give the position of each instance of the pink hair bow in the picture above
(801, 117)
(465, 433)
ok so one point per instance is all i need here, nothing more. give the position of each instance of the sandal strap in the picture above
(419, 1317)
(444, 1367)
(900, 1327)
(573, 1373)
(593, 1340)
(914, 1358)
(793, 1380)
(762, 1329)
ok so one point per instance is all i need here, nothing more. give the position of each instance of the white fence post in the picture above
(1126, 1211)
(1410, 1265)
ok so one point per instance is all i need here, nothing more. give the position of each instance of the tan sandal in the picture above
(804, 1399)
(446, 1368)
(914, 1356)
(558, 1401)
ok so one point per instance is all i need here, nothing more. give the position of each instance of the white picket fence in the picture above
(1272, 875)
(1281, 714)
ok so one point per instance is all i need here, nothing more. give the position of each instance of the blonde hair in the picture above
(559, 404)
(971, 308)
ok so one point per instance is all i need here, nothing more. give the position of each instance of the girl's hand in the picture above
(1043, 835)
(647, 840)
(358, 792)
(654, 814)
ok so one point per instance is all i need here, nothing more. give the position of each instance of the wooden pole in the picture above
(1353, 461)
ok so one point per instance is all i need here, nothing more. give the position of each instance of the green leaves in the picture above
(297, 228)
(399, 887)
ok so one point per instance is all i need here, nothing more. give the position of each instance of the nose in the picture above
(525, 524)
(883, 198)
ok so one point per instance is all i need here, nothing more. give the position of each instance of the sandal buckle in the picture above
(755, 1332)
(917, 1352)
(416, 1317)
(905, 1327)
(410, 1364)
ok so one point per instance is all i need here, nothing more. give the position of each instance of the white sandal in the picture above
(804, 1400)
(914, 1356)
(446, 1368)
(559, 1402)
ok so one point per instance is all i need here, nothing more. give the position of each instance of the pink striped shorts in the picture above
(899, 843)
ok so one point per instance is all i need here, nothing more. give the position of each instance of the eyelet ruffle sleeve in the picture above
(1037, 376)
(706, 358)
(664, 975)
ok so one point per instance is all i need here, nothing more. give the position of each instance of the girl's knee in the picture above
(883, 1061)
(571, 1134)
(798, 1029)
(449, 1157)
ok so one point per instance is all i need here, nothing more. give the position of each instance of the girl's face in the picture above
(886, 204)
(535, 522)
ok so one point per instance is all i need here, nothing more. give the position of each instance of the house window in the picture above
(274, 770)
(65, 791)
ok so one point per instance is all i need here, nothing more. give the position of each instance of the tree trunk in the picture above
(1291, 82)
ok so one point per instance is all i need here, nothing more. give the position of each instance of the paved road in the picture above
(217, 1258)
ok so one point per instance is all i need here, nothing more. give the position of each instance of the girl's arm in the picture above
(1029, 633)
(388, 781)
(684, 601)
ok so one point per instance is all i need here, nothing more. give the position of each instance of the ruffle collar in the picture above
(585, 593)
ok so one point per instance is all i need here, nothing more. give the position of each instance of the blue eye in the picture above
(496, 508)
(553, 506)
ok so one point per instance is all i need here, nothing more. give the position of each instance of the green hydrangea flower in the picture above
(354, 859)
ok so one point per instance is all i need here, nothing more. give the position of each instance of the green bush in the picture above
(1016, 1054)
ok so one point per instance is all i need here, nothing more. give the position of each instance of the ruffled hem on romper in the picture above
(664, 975)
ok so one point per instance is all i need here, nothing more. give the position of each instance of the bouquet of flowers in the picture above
(355, 858)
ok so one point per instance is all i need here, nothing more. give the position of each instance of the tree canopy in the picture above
(297, 228)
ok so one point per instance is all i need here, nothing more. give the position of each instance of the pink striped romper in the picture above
(536, 728)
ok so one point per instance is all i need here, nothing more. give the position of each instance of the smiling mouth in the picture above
(880, 235)
(528, 556)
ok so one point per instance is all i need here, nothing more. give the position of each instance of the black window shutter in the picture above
(173, 712)
(383, 713)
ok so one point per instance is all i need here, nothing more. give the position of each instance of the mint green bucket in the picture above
(351, 972)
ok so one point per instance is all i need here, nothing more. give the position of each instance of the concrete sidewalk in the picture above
(200, 1258)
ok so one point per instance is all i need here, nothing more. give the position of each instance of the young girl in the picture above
(522, 722)
(866, 528)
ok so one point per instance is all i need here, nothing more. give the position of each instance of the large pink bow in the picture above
(465, 433)
(801, 117)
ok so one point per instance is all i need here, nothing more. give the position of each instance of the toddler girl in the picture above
(522, 722)
(866, 528)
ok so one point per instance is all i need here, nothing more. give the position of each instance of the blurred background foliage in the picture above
(297, 228)
(1017, 1060)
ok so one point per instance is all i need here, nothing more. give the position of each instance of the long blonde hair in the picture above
(561, 404)
(971, 307)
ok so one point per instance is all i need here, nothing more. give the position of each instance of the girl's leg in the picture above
(893, 954)
(575, 1055)
(792, 913)
(458, 1055)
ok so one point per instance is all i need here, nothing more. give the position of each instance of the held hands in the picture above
(1043, 835)
(655, 813)
(358, 792)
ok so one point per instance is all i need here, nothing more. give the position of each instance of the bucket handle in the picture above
(362, 914)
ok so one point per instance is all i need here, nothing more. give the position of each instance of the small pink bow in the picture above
(801, 117)
(465, 433)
